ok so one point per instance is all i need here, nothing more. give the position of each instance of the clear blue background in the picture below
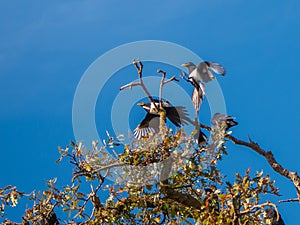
(45, 47)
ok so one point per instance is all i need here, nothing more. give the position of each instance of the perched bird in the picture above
(211, 199)
(272, 214)
(203, 72)
(223, 121)
(150, 124)
(176, 114)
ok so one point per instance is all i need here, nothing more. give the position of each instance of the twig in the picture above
(91, 197)
(139, 67)
(262, 206)
(206, 127)
(162, 111)
(163, 73)
(130, 85)
(289, 200)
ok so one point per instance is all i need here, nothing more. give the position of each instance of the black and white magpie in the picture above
(176, 114)
(223, 121)
(203, 72)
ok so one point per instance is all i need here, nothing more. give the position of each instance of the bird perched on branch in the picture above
(222, 120)
(176, 114)
(272, 215)
(203, 72)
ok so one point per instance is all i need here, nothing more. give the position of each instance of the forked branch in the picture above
(139, 67)
(160, 110)
(164, 82)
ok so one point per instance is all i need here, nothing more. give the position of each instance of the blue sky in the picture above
(46, 46)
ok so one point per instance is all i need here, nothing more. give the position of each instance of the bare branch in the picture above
(171, 79)
(289, 200)
(162, 111)
(268, 155)
(110, 166)
(164, 82)
(206, 127)
(130, 85)
(139, 67)
(163, 73)
(253, 208)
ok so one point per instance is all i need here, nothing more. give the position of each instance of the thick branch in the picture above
(293, 176)
(184, 199)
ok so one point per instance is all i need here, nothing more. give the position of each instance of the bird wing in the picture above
(149, 124)
(205, 74)
(195, 75)
(191, 66)
(217, 68)
(178, 115)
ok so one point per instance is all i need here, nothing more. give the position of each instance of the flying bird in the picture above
(203, 72)
(199, 74)
(176, 114)
(222, 120)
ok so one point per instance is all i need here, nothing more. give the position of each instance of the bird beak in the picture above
(184, 64)
(141, 104)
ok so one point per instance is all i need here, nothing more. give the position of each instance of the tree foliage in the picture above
(164, 178)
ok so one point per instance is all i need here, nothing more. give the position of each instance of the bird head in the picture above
(145, 106)
(191, 66)
(141, 104)
(188, 64)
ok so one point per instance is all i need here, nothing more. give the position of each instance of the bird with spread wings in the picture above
(150, 124)
(199, 74)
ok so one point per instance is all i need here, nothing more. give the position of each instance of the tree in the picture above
(163, 178)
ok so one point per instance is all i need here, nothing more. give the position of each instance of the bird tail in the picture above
(197, 96)
(196, 99)
(139, 133)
